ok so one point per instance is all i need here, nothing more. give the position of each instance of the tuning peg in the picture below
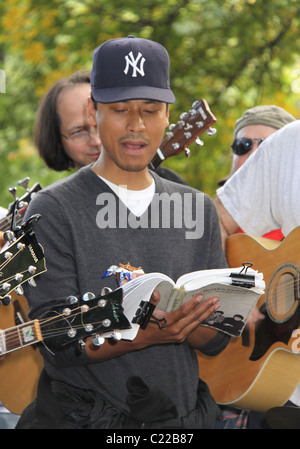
(72, 332)
(9, 236)
(19, 290)
(88, 296)
(106, 322)
(31, 269)
(105, 291)
(22, 205)
(211, 131)
(24, 183)
(8, 255)
(5, 287)
(19, 277)
(187, 152)
(102, 302)
(6, 301)
(71, 300)
(199, 142)
(13, 191)
(32, 283)
(97, 340)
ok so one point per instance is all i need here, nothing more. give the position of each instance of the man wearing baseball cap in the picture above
(104, 215)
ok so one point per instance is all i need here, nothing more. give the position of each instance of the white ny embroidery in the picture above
(133, 63)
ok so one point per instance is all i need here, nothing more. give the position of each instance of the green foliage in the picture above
(234, 53)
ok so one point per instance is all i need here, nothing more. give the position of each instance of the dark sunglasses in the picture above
(244, 145)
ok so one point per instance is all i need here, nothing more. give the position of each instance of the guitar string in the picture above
(9, 259)
(292, 284)
(5, 222)
(14, 334)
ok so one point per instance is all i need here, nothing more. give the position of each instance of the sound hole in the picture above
(282, 296)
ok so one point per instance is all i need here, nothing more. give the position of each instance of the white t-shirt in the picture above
(137, 201)
(264, 194)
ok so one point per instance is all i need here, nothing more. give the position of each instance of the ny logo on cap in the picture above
(130, 61)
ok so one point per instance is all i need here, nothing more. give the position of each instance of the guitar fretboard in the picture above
(20, 336)
(5, 223)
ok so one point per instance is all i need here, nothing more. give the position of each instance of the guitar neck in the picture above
(5, 223)
(157, 160)
(18, 337)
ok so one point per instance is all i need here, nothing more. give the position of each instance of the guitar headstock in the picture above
(17, 209)
(88, 317)
(190, 126)
(20, 260)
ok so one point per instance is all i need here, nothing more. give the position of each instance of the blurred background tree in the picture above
(234, 53)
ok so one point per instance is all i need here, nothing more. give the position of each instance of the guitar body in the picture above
(261, 369)
(19, 370)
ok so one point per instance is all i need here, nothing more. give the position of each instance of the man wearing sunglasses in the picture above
(251, 129)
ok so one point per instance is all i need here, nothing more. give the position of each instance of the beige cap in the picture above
(267, 115)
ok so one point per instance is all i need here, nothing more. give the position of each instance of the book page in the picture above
(205, 277)
(236, 304)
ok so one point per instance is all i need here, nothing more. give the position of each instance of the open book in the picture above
(237, 290)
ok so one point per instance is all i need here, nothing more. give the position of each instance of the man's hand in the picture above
(185, 320)
(179, 325)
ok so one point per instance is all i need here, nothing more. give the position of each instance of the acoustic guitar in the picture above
(20, 262)
(261, 369)
(91, 316)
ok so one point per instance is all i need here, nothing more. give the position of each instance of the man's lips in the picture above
(133, 145)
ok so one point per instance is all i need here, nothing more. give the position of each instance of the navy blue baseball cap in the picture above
(131, 68)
